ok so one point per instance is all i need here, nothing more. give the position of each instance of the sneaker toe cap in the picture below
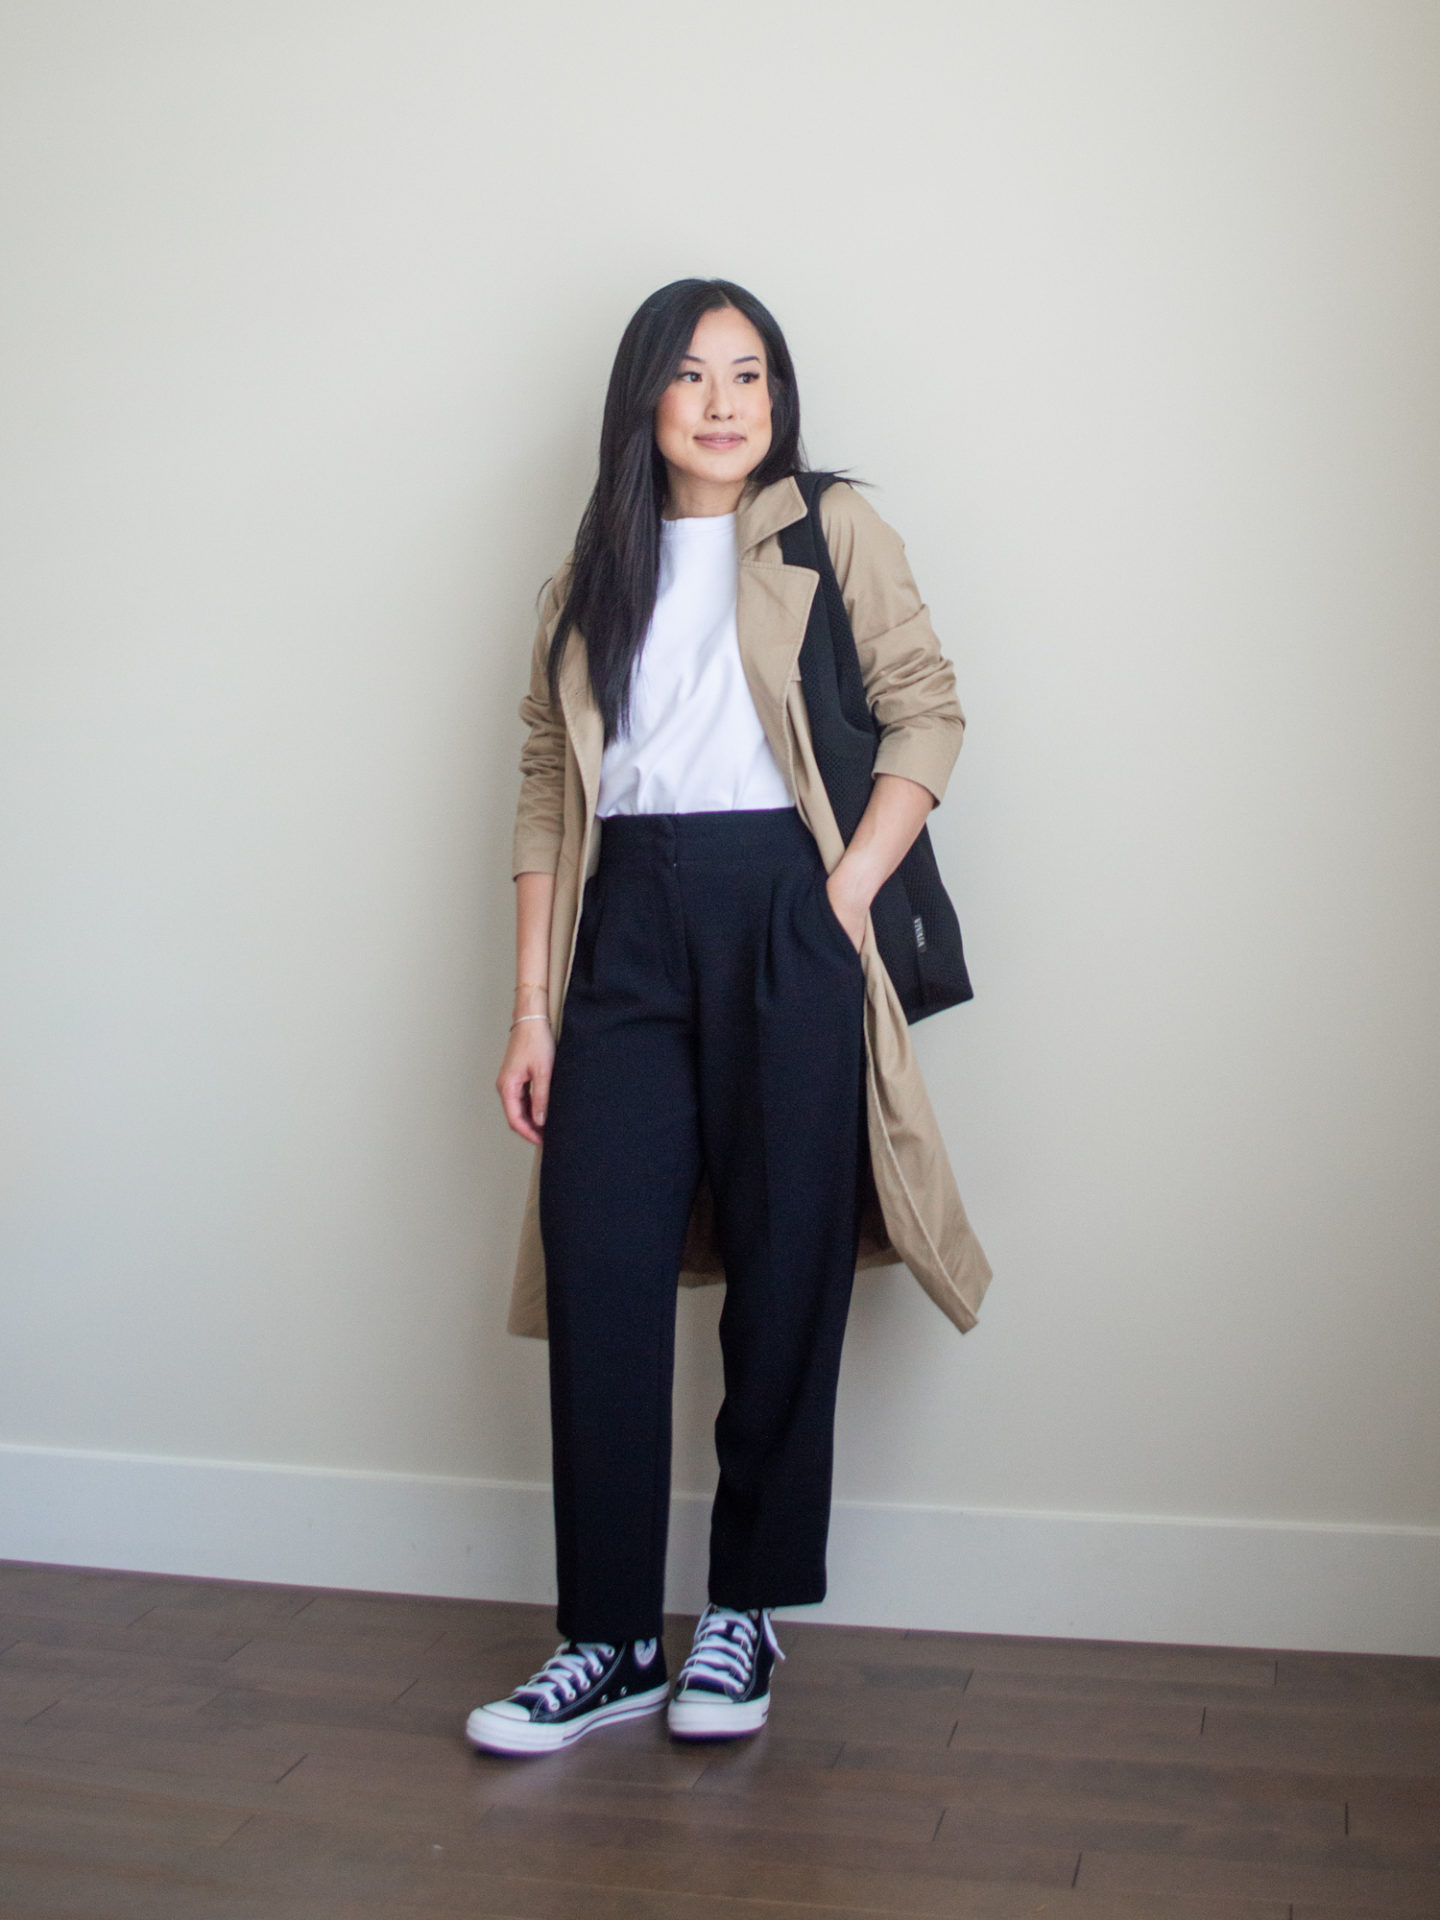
(502, 1710)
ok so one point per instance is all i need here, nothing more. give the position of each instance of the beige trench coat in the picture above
(914, 1213)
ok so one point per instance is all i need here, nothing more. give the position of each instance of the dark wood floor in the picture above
(180, 1749)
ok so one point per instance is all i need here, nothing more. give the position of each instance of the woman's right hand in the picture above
(524, 1079)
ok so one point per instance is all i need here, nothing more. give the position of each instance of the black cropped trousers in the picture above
(713, 1023)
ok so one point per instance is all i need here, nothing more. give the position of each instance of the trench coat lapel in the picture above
(765, 512)
(772, 606)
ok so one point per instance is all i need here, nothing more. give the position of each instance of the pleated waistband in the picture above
(765, 834)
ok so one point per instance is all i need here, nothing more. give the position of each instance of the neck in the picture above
(692, 499)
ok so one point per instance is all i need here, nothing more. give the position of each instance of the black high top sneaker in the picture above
(583, 1684)
(724, 1685)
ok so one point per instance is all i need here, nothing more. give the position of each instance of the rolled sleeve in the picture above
(908, 681)
(540, 811)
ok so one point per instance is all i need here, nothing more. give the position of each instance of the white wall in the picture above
(1130, 308)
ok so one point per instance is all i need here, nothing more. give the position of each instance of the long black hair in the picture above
(616, 564)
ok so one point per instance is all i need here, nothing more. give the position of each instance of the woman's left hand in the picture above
(850, 906)
(888, 828)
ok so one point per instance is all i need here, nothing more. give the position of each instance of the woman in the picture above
(731, 1091)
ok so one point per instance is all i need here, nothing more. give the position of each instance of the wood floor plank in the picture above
(76, 1670)
(528, 1626)
(908, 1719)
(273, 1653)
(31, 1808)
(1119, 1659)
(225, 1757)
(1395, 1809)
(1006, 1810)
(23, 1695)
(98, 1592)
(1131, 1730)
(76, 1592)
(191, 1637)
(74, 1667)
(841, 1643)
(139, 1884)
(157, 1713)
(508, 1898)
(128, 1695)
(805, 1669)
(775, 1748)
(1346, 1909)
(382, 1712)
(974, 1901)
(509, 1831)
(1121, 1689)
(132, 1850)
(336, 1893)
(13, 1912)
(1358, 1675)
(451, 1806)
(1365, 1890)
(541, 1900)
(1193, 1780)
(602, 1852)
(333, 1611)
(237, 1600)
(1404, 1740)
(854, 1816)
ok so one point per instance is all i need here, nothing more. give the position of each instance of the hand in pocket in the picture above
(850, 915)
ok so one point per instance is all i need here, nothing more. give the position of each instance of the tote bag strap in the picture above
(916, 928)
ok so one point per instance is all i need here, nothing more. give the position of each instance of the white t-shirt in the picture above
(695, 743)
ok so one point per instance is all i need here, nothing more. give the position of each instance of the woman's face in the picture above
(712, 425)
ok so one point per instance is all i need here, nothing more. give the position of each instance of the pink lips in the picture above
(720, 439)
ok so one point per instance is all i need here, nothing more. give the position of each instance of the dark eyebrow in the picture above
(737, 361)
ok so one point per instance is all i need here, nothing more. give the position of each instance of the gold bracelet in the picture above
(532, 986)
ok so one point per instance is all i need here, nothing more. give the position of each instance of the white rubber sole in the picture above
(498, 1733)
(716, 1720)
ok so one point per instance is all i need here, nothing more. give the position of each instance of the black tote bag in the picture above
(916, 928)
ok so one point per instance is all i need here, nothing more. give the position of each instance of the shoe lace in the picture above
(574, 1666)
(724, 1648)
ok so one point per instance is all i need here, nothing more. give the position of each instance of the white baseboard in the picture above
(1352, 1589)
